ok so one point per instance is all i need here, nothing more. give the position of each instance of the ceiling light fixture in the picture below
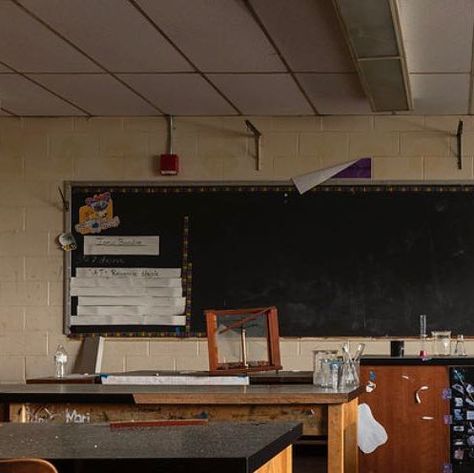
(373, 34)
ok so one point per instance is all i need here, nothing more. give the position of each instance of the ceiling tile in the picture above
(99, 94)
(335, 93)
(440, 93)
(28, 46)
(4, 69)
(23, 97)
(437, 34)
(180, 94)
(217, 35)
(263, 94)
(307, 33)
(113, 32)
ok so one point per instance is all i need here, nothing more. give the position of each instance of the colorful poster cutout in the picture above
(97, 214)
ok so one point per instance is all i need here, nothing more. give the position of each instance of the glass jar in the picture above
(321, 374)
(441, 342)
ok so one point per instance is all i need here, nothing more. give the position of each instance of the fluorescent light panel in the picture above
(373, 34)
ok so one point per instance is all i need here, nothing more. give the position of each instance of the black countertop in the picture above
(142, 394)
(237, 447)
(380, 360)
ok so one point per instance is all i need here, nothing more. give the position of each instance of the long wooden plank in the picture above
(313, 418)
(336, 439)
(351, 451)
(235, 397)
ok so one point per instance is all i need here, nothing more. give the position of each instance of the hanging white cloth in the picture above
(371, 434)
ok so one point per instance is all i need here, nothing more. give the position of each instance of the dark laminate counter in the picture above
(385, 360)
(323, 412)
(94, 393)
(237, 447)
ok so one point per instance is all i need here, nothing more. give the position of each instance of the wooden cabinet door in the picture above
(418, 438)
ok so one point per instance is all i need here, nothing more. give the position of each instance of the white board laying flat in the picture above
(141, 273)
(124, 282)
(128, 320)
(132, 300)
(127, 291)
(122, 245)
(143, 310)
(188, 380)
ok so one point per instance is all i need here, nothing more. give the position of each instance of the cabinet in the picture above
(408, 402)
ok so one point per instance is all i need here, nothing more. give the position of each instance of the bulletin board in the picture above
(340, 260)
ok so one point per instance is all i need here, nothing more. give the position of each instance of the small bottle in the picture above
(60, 361)
(460, 349)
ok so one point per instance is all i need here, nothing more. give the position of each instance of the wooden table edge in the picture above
(246, 398)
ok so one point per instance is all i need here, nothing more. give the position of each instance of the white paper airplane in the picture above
(307, 181)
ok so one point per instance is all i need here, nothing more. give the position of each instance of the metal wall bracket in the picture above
(459, 141)
(257, 137)
(63, 199)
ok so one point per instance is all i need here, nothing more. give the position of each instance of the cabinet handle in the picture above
(427, 418)
(417, 393)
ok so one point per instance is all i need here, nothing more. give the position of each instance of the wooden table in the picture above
(322, 412)
(210, 448)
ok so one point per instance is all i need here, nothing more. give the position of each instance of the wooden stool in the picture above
(26, 465)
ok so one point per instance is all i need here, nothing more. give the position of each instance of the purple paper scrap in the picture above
(361, 169)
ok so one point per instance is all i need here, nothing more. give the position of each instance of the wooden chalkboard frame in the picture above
(348, 186)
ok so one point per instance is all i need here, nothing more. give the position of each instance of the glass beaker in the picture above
(460, 348)
(320, 357)
(349, 374)
(441, 342)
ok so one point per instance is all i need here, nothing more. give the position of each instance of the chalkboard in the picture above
(337, 261)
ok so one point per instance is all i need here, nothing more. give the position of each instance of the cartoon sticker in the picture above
(97, 214)
(67, 241)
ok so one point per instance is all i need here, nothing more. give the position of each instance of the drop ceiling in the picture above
(217, 57)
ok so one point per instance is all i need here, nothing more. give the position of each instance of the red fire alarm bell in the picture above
(169, 164)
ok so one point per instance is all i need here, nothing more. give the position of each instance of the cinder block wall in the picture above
(38, 154)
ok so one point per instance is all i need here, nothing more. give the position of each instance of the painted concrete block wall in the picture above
(38, 154)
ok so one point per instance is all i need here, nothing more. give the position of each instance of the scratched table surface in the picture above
(245, 444)
(268, 394)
